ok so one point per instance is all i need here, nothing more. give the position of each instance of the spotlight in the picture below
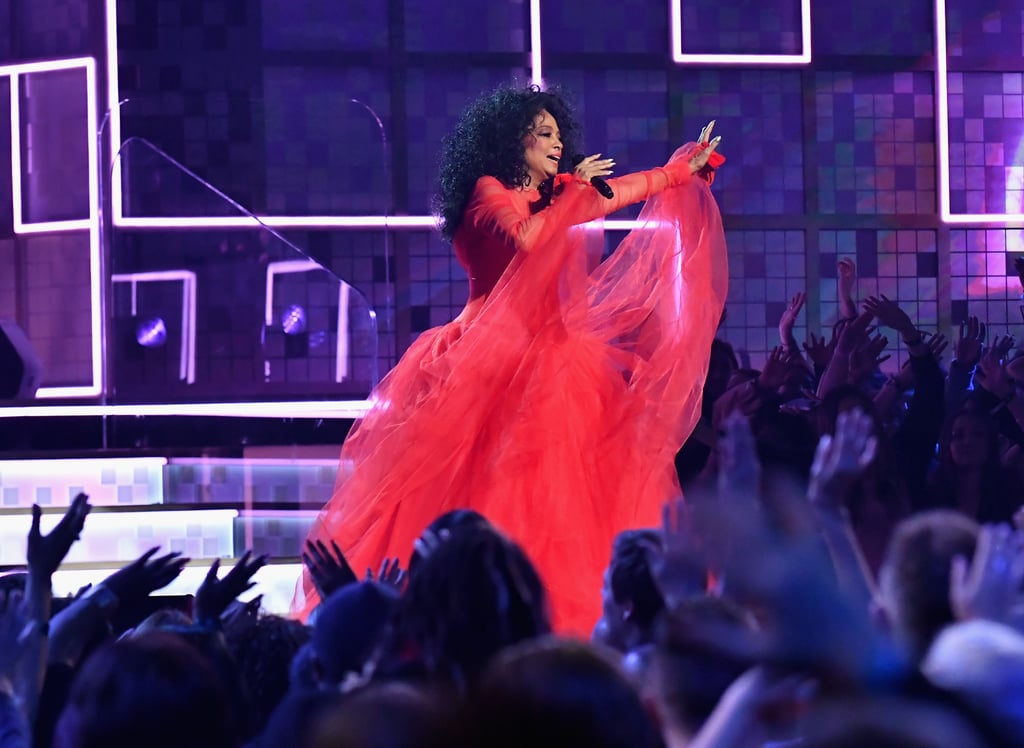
(293, 320)
(151, 333)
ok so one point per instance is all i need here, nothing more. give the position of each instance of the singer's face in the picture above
(542, 149)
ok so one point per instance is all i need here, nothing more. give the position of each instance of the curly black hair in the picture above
(488, 140)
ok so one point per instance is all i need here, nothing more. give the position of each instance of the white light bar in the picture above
(344, 409)
(232, 222)
(679, 56)
(276, 582)
(942, 126)
(109, 481)
(113, 536)
(536, 61)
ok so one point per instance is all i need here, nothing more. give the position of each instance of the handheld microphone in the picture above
(596, 182)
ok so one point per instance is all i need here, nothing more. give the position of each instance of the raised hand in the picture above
(969, 342)
(391, 574)
(430, 541)
(145, 575)
(991, 373)
(842, 458)
(330, 571)
(739, 468)
(820, 352)
(989, 586)
(677, 565)
(702, 156)
(788, 320)
(937, 345)
(47, 552)
(866, 358)
(888, 313)
(215, 595)
(847, 271)
(854, 334)
(775, 370)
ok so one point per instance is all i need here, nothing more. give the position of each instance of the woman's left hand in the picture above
(705, 148)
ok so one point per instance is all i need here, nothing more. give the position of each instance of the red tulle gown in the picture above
(555, 403)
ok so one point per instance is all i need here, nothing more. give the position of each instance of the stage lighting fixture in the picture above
(293, 320)
(151, 333)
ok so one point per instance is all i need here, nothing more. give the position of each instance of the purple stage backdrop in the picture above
(879, 141)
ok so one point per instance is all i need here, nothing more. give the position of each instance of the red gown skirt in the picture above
(554, 405)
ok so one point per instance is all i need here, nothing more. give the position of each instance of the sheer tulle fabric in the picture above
(553, 405)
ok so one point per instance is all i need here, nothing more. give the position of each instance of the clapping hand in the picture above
(215, 595)
(47, 552)
(328, 567)
(989, 586)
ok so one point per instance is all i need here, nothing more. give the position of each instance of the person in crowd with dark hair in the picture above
(155, 690)
(970, 476)
(555, 402)
(475, 594)
(631, 601)
(556, 693)
(914, 581)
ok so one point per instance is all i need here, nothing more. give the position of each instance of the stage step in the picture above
(109, 481)
(276, 581)
(204, 507)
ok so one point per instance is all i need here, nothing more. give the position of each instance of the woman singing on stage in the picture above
(555, 402)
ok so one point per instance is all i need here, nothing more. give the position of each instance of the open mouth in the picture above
(554, 158)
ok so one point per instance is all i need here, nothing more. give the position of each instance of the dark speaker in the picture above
(20, 370)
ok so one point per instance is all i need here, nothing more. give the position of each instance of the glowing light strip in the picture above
(344, 409)
(113, 112)
(678, 56)
(942, 127)
(45, 66)
(536, 62)
(109, 535)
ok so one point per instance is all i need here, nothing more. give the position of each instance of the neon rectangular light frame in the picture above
(681, 57)
(946, 213)
(187, 278)
(91, 224)
(282, 267)
(206, 222)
